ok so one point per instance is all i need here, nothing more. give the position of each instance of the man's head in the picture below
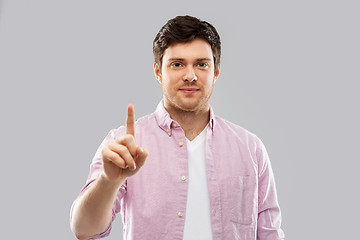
(187, 56)
(184, 29)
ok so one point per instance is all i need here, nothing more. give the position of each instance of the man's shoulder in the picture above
(230, 128)
(226, 124)
(229, 131)
(146, 120)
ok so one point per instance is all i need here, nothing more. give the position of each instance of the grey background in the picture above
(290, 73)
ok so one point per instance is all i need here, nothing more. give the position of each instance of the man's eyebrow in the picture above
(204, 59)
(182, 59)
(176, 59)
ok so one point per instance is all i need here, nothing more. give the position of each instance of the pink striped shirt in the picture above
(152, 203)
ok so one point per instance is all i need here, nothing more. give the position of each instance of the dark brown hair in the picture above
(183, 29)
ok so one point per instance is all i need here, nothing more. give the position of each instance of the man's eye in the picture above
(176, 65)
(202, 65)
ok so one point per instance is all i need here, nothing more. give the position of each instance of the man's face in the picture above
(187, 76)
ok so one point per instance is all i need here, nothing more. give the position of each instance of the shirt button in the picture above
(183, 178)
(168, 130)
(180, 214)
(174, 125)
(181, 143)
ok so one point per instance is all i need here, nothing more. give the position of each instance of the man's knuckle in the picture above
(119, 139)
(128, 138)
(123, 151)
(105, 151)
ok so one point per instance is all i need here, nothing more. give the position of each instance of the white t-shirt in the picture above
(197, 218)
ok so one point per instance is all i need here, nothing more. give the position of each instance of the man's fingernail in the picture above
(141, 149)
(134, 167)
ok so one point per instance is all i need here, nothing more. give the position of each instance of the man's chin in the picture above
(189, 106)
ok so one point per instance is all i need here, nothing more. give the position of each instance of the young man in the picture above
(203, 178)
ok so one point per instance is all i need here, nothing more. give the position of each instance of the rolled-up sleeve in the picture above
(269, 214)
(96, 168)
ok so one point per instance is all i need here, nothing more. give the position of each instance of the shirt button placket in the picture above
(183, 178)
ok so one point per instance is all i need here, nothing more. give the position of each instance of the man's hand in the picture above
(123, 157)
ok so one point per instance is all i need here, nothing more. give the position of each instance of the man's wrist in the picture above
(105, 182)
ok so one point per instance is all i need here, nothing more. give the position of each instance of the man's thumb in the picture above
(141, 156)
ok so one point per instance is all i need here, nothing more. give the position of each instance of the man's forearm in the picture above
(92, 210)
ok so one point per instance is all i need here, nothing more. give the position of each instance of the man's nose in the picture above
(190, 74)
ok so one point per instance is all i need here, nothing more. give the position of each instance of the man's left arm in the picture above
(269, 215)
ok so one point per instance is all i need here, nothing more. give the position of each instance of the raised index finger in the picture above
(130, 120)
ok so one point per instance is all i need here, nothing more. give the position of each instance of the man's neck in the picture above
(192, 122)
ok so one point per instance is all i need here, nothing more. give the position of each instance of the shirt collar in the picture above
(167, 124)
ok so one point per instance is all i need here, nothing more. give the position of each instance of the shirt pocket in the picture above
(243, 199)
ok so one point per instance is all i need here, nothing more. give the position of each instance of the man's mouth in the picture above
(189, 90)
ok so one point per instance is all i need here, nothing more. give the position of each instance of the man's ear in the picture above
(217, 73)
(157, 72)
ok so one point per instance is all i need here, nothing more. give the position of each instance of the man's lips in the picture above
(189, 90)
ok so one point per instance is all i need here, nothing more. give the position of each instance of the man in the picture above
(203, 178)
